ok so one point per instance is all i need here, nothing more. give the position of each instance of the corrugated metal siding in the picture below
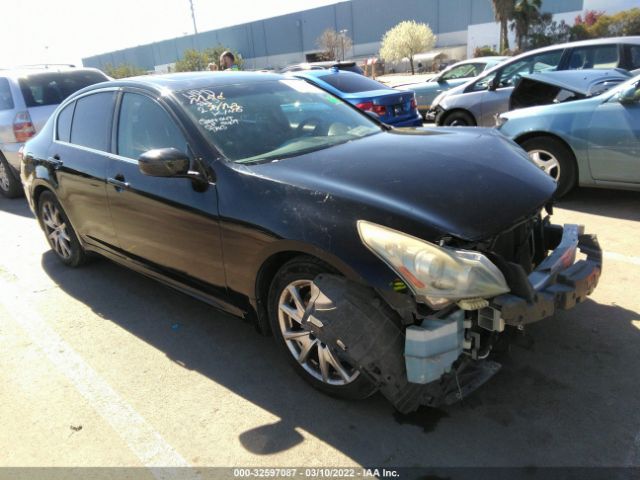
(366, 21)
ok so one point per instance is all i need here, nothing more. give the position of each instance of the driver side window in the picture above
(144, 125)
(509, 75)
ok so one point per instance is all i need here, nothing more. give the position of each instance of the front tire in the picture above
(311, 359)
(59, 232)
(10, 186)
(459, 119)
(555, 159)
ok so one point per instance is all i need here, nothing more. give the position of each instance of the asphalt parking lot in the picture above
(100, 366)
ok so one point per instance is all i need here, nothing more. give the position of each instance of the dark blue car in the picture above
(396, 108)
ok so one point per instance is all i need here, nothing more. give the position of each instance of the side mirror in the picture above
(164, 162)
(493, 85)
(629, 95)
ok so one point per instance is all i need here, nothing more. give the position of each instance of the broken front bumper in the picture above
(559, 282)
(436, 362)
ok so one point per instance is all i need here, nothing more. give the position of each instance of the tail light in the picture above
(414, 104)
(371, 107)
(23, 128)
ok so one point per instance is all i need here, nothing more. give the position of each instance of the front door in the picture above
(614, 140)
(165, 223)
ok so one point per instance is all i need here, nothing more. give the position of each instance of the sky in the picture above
(65, 31)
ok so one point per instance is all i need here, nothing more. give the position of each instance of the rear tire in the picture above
(459, 119)
(10, 186)
(296, 276)
(555, 159)
(59, 232)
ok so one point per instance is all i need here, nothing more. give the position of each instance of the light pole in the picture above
(193, 17)
(342, 34)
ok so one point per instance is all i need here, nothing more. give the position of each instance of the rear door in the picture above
(614, 141)
(78, 159)
(166, 223)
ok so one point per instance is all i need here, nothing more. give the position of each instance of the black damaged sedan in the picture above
(380, 259)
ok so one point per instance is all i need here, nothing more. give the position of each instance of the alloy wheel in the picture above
(312, 354)
(56, 229)
(547, 162)
(4, 178)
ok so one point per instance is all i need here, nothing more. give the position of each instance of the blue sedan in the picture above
(393, 107)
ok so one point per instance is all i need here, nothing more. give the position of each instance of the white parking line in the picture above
(618, 257)
(143, 440)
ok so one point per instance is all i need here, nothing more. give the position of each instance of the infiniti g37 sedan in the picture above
(380, 259)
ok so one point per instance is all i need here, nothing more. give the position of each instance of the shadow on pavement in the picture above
(567, 393)
(15, 206)
(610, 203)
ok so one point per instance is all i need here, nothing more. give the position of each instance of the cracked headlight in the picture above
(437, 275)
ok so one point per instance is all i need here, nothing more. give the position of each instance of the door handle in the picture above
(55, 161)
(118, 182)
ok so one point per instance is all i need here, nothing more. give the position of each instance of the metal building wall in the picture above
(281, 40)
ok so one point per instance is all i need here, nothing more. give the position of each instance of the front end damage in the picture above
(437, 357)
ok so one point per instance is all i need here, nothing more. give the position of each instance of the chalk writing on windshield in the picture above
(220, 112)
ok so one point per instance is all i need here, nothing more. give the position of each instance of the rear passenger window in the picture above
(64, 123)
(6, 100)
(92, 118)
(597, 56)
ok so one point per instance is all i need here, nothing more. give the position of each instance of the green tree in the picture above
(546, 31)
(525, 14)
(123, 70)
(503, 11)
(196, 61)
(622, 23)
(406, 40)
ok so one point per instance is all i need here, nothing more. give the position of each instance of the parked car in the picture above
(27, 97)
(453, 76)
(271, 199)
(593, 142)
(479, 101)
(393, 107)
(344, 66)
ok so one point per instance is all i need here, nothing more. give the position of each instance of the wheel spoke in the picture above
(305, 349)
(295, 295)
(66, 249)
(324, 362)
(335, 363)
(295, 334)
(291, 312)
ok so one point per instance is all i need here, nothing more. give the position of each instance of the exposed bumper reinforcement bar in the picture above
(558, 282)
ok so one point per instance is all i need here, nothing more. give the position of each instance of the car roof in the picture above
(322, 73)
(187, 80)
(26, 71)
(481, 59)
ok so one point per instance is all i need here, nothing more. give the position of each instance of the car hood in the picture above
(470, 183)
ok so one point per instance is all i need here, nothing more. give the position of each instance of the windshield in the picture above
(463, 71)
(259, 121)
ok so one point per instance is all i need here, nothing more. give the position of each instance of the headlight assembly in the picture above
(437, 275)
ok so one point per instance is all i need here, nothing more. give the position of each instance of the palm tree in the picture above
(525, 13)
(503, 11)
